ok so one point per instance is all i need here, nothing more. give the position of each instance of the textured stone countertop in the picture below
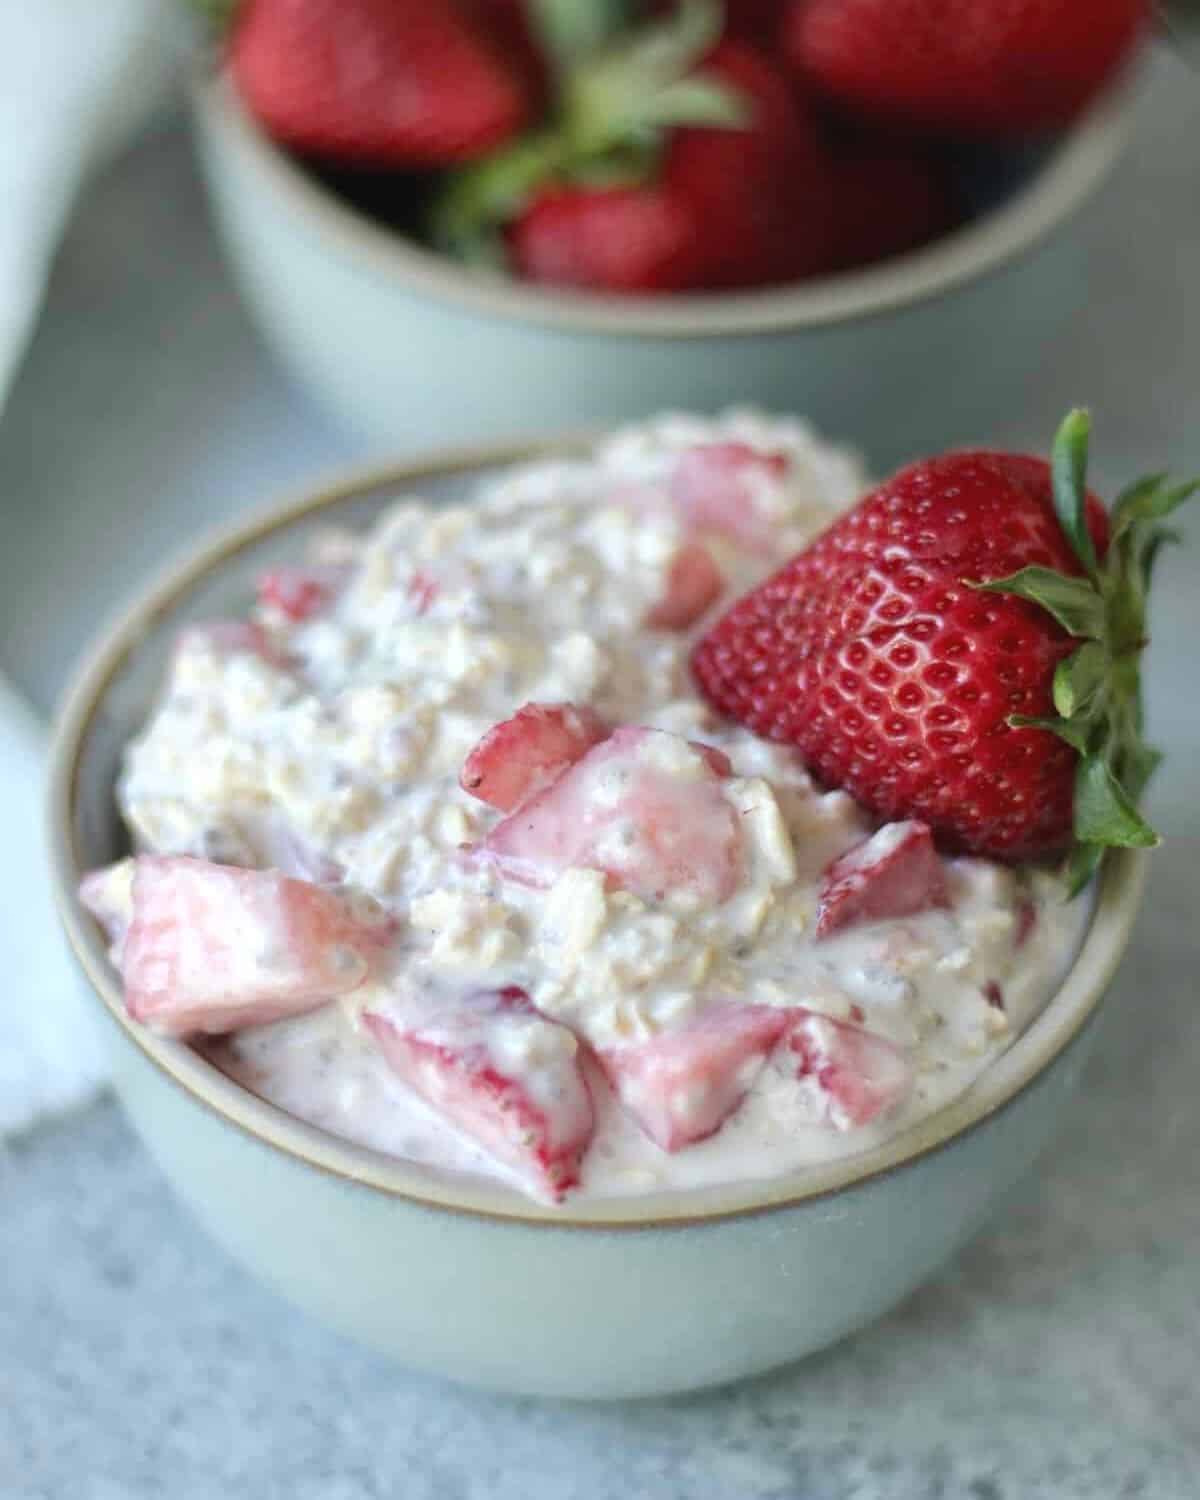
(1058, 1356)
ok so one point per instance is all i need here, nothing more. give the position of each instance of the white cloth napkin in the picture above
(76, 78)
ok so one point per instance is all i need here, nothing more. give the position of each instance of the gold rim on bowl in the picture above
(1074, 169)
(998, 1086)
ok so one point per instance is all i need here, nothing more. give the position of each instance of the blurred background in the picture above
(225, 274)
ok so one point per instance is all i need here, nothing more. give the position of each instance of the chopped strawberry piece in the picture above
(519, 757)
(994, 994)
(859, 1074)
(894, 873)
(108, 895)
(716, 488)
(212, 947)
(682, 1085)
(644, 806)
(504, 1075)
(693, 583)
(299, 593)
(423, 589)
(1026, 921)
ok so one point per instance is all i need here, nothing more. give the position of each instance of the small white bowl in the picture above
(410, 349)
(623, 1297)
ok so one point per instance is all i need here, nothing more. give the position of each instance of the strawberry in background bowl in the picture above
(620, 206)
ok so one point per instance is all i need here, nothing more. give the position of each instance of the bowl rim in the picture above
(998, 1087)
(1079, 161)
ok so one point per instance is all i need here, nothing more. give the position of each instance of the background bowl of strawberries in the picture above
(459, 218)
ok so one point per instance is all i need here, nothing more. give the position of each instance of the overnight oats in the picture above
(486, 839)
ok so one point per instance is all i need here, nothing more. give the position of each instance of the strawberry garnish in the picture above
(502, 1074)
(683, 1084)
(964, 65)
(375, 82)
(519, 757)
(895, 873)
(211, 948)
(963, 648)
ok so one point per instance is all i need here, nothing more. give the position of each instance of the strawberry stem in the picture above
(614, 109)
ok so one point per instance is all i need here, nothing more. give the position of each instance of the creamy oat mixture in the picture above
(650, 885)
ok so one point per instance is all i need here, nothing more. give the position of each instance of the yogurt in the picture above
(670, 876)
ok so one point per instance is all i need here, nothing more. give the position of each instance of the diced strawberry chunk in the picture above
(300, 593)
(212, 948)
(108, 895)
(1026, 922)
(895, 873)
(519, 757)
(693, 583)
(644, 806)
(423, 589)
(860, 1075)
(682, 1085)
(716, 487)
(503, 1075)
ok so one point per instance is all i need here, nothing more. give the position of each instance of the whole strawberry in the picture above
(973, 66)
(380, 83)
(677, 162)
(963, 648)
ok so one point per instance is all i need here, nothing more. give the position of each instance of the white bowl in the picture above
(612, 1298)
(410, 349)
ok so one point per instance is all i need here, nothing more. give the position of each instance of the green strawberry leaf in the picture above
(1130, 504)
(1150, 499)
(1079, 678)
(1076, 734)
(1104, 813)
(1068, 465)
(477, 198)
(571, 30)
(623, 91)
(1074, 602)
(695, 101)
(1140, 763)
(1155, 540)
(214, 16)
(1082, 864)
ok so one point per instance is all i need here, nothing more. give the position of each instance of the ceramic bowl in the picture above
(410, 349)
(617, 1298)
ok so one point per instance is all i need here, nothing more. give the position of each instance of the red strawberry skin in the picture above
(627, 240)
(375, 82)
(894, 678)
(887, 202)
(759, 197)
(974, 66)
